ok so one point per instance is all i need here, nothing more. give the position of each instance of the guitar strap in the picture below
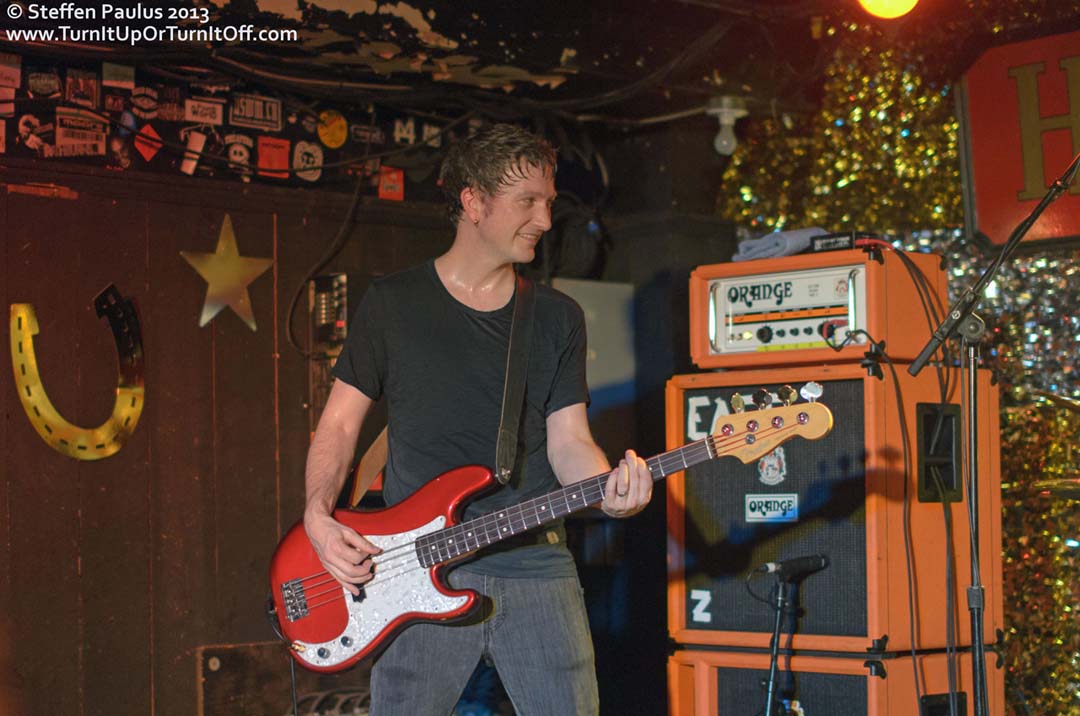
(517, 362)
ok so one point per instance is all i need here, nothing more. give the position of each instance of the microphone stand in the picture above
(782, 587)
(962, 319)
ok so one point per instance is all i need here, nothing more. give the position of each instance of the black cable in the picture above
(292, 681)
(331, 251)
(908, 557)
(271, 617)
(944, 373)
(746, 583)
(951, 654)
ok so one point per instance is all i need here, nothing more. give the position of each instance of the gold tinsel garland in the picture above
(882, 152)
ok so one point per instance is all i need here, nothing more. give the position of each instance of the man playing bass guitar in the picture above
(432, 341)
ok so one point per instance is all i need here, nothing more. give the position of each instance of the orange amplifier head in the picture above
(787, 311)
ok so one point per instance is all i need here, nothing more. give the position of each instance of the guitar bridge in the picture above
(292, 595)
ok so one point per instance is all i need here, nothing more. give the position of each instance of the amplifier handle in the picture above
(851, 302)
(714, 328)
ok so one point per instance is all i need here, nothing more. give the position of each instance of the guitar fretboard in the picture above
(452, 542)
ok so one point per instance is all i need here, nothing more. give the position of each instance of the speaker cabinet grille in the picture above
(844, 497)
(719, 683)
(828, 478)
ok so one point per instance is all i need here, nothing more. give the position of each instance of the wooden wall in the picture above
(116, 571)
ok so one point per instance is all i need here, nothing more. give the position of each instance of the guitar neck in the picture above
(453, 542)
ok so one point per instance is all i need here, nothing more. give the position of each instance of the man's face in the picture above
(514, 218)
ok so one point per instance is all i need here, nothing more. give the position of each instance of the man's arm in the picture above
(344, 553)
(575, 456)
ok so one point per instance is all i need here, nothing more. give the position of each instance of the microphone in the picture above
(791, 570)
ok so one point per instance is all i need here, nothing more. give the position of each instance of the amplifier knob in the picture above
(764, 334)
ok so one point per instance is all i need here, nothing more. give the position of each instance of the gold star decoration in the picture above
(227, 275)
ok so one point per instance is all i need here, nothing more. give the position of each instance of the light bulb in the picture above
(726, 109)
(725, 141)
(888, 9)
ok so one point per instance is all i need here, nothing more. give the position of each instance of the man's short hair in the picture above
(493, 157)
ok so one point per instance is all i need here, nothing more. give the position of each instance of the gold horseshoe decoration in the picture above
(59, 434)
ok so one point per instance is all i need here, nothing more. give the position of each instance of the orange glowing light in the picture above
(888, 9)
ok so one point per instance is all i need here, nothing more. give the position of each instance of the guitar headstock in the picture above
(752, 434)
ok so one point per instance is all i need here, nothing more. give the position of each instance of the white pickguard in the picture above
(400, 585)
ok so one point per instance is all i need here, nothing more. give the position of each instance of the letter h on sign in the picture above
(1033, 124)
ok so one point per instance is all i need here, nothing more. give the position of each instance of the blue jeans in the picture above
(536, 633)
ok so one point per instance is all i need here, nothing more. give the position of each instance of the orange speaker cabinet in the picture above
(777, 312)
(718, 683)
(842, 496)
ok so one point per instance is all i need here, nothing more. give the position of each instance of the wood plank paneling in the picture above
(180, 358)
(117, 572)
(41, 255)
(245, 427)
(12, 693)
(114, 538)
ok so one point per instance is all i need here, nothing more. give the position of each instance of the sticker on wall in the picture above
(255, 112)
(204, 110)
(405, 131)
(128, 125)
(78, 134)
(310, 123)
(72, 440)
(273, 157)
(82, 88)
(118, 76)
(333, 129)
(227, 275)
(114, 103)
(43, 84)
(10, 70)
(432, 134)
(391, 183)
(7, 109)
(144, 102)
(32, 136)
(170, 104)
(148, 143)
(119, 152)
(366, 134)
(238, 151)
(307, 160)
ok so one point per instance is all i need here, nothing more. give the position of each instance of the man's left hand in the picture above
(629, 487)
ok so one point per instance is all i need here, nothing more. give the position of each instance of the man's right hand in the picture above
(346, 555)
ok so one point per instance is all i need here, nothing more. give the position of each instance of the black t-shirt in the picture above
(441, 365)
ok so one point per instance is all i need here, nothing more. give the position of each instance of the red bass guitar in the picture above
(329, 629)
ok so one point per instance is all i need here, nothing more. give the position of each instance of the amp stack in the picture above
(881, 496)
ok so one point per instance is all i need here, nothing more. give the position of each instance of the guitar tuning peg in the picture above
(811, 391)
(738, 404)
(787, 395)
(762, 398)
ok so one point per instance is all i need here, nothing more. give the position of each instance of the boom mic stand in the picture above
(962, 319)
(787, 572)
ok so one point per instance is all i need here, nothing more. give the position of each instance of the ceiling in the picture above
(559, 56)
(616, 60)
